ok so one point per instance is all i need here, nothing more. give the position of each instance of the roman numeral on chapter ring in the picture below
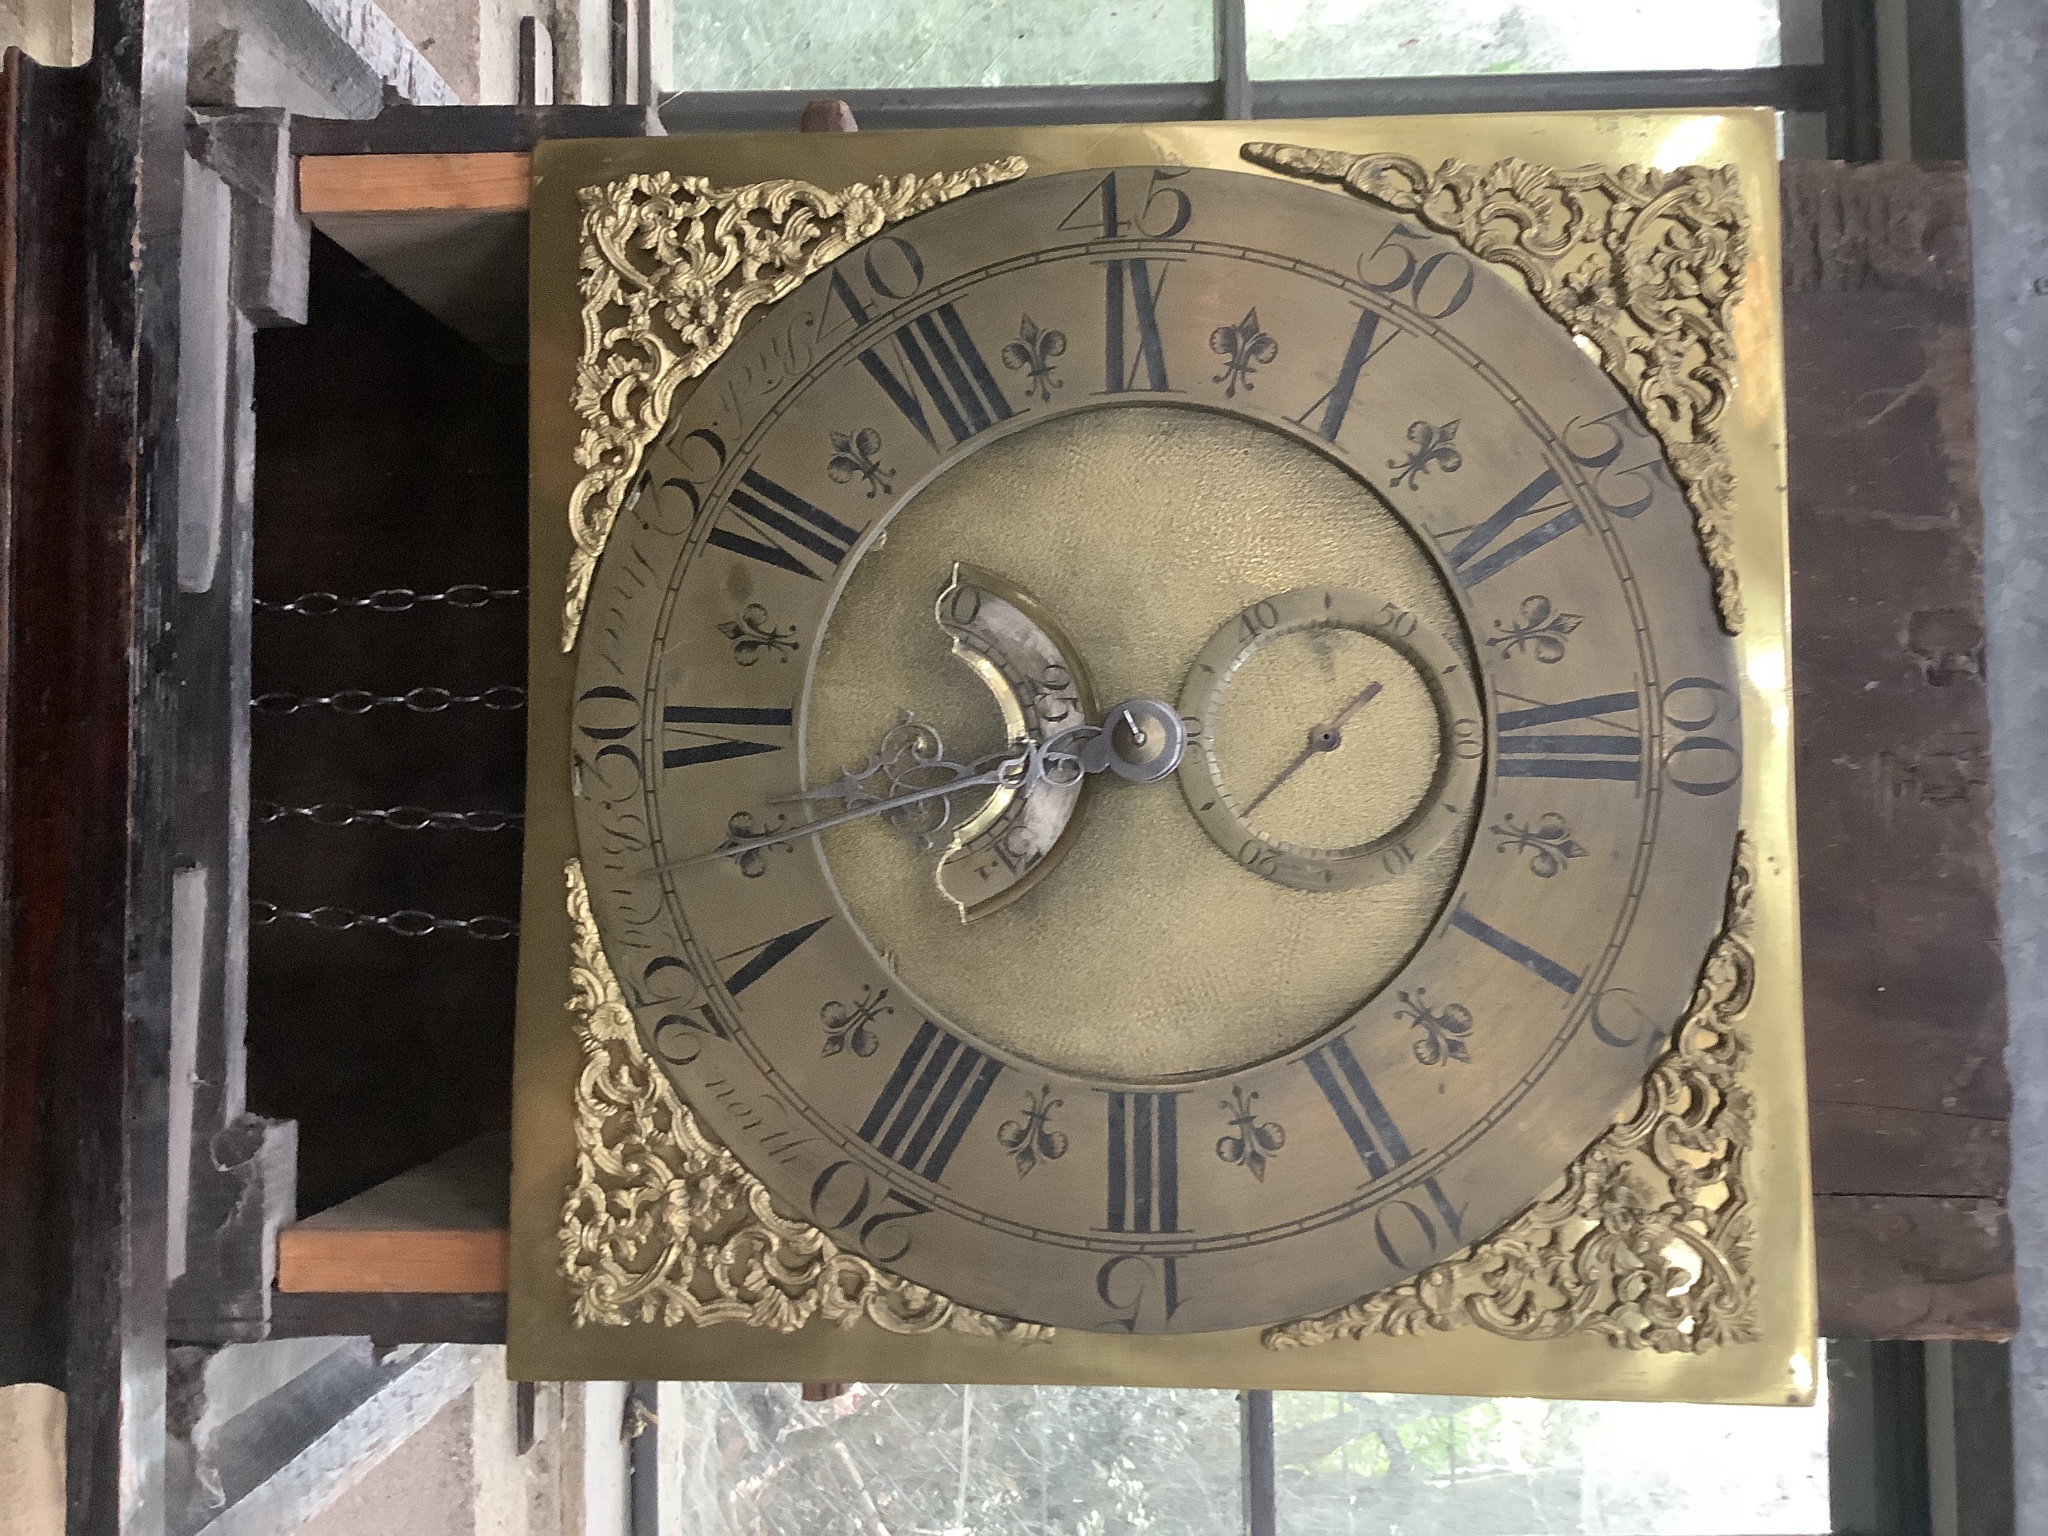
(1478, 556)
(1131, 288)
(715, 746)
(765, 956)
(1527, 751)
(1144, 1162)
(945, 368)
(1356, 1104)
(1533, 961)
(778, 524)
(933, 1095)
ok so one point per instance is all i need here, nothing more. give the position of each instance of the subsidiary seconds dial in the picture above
(1334, 738)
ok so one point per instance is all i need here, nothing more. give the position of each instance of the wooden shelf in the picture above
(371, 184)
(438, 1230)
(447, 231)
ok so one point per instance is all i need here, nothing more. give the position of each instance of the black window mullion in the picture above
(1233, 71)
(1261, 1507)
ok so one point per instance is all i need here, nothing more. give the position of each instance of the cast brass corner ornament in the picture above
(663, 1224)
(670, 265)
(1647, 1243)
(1645, 265)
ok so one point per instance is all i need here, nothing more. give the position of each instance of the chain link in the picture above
(400, 818)
(318, 605)
(360, 701)
(409, 923)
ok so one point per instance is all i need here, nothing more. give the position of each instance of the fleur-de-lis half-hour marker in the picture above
(1443, 1029)
(850, 1026)
(1542, 632)
(1033, 352)
(1032, 1139)
(1246, 346)
(753, 862)
(1254, 1140)
(858, 456)
(1549, 843)
(754, 635)
(1433, 450)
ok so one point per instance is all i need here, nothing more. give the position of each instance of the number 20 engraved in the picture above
(830, 1187)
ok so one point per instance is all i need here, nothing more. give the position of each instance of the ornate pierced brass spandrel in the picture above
(663, 1224)
(1647, 1242)
(1645, 265)
(669, 268)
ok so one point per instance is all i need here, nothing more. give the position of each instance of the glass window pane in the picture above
(950, 1461)
(1353, 1464)
(892, 44)
(1345, 39)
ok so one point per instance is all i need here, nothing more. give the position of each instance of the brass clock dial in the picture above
(1450, 827)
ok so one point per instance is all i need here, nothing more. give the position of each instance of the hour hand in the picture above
(1140, 740)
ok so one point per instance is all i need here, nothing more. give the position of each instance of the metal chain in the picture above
(410, 923)
(360, 701)
(318, 605)
(400, 818)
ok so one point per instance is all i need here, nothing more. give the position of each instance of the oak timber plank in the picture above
(1866, 1149)
(341, 184)
(1904, 988)
(1914, 1267)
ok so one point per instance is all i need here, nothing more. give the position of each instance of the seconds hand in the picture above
(1321, 738)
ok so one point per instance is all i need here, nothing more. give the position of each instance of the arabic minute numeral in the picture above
(1402, 1224)
(843, 1200)
(1392, 268)
(1127, 1282)
(1697, 763)
(1163, 213)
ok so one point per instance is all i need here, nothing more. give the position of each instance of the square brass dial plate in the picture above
(1766, 1356)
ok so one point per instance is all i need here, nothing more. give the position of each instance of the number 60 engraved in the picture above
(1698, 763)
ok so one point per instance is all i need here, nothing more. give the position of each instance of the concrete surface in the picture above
(2005, 60)
(463, 1473)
